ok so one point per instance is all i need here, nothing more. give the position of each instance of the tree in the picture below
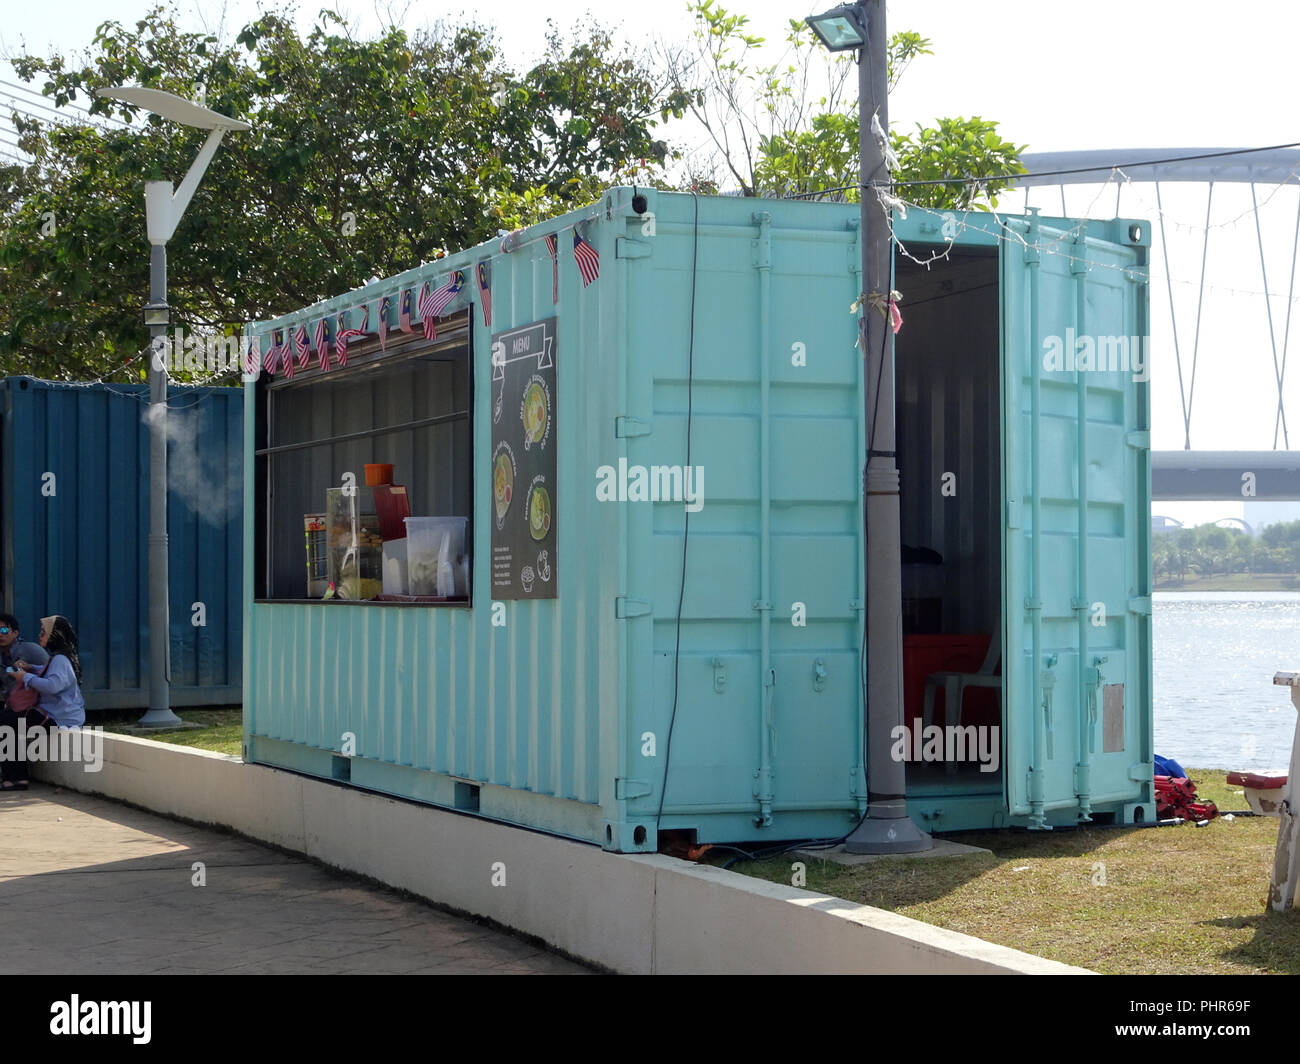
(770, 138)
(366, 157)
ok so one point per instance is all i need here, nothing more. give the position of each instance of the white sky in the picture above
(1056, 76)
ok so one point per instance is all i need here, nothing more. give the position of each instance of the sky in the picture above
(1055, 76)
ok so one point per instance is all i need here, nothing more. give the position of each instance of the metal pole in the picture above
(160, 713)
(887, 828)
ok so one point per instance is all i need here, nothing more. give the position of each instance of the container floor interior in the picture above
(950, 460)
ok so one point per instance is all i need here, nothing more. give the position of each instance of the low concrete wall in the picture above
(631, 913)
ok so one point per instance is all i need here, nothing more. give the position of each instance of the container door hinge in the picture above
(627, 248)
(856, 604)
(1137, 274)
(1143, 771)
(1140, 605)
(719, 675)
(1013, 513)
(630, 607)
(626, 789)
(1139, 440)
(625, 427)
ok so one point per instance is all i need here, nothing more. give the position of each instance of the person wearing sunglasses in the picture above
(13, 648)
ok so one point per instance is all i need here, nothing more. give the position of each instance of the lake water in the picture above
(1214, 656)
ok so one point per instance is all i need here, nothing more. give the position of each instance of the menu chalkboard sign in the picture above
(523, 462)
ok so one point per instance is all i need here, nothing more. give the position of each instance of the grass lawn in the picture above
(1175, 900)
(222, 731)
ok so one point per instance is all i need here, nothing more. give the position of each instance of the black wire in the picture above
(1047, 173)
(681, 591)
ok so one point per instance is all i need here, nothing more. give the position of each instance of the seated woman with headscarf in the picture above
(58, 685)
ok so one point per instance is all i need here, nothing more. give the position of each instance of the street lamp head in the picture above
(176, 108)
(840, 29)
(157, 313)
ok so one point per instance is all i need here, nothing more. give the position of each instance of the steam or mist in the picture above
(202, 471)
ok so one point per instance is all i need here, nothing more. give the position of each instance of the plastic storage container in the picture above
(434, 552)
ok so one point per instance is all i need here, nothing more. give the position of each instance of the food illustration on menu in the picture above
(524, 556)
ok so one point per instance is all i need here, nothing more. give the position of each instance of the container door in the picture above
(1076, 504)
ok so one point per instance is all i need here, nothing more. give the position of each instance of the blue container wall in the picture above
(74, 517)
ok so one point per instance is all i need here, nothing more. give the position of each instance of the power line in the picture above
(1046, 173)
(66, 106)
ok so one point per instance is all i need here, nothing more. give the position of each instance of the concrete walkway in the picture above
(88, 886)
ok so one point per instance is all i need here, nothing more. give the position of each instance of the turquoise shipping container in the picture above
(664, 632)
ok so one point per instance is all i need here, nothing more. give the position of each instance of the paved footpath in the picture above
(88, 886)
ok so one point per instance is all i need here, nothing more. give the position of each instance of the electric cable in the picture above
(686, 534)
(1046, 173)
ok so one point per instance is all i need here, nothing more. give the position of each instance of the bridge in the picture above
(1194, 476)
(1190, 475)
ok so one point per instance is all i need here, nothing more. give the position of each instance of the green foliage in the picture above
(774, 140)
(366, 157)
(1210, 550)
(965, 147)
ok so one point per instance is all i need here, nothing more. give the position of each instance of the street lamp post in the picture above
(887, 827)
(163, 211)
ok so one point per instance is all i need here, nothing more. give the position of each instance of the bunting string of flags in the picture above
(287, 360)
(272, 351)
(320, 341)
(385, 307)
(302, 346)
(404, 315)
(292, 348)
(587, 258)
(344, 334)
(432, 304)
(484, 291)
(553, 246)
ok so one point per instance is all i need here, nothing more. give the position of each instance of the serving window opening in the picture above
(364, 475)
(950, 460)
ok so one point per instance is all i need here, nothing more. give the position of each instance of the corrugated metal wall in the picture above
(74, 517)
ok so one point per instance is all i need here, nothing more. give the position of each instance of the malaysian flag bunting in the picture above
(587, 258)
(253, 356)
(343, 335)
(553, 246)
(404, 315)
(286, 353)
(432, 304)
(321, 342)
(302, 345)
(272, 352)
(385, 305)
(484, 290)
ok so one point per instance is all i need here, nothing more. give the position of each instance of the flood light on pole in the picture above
(840, 29)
